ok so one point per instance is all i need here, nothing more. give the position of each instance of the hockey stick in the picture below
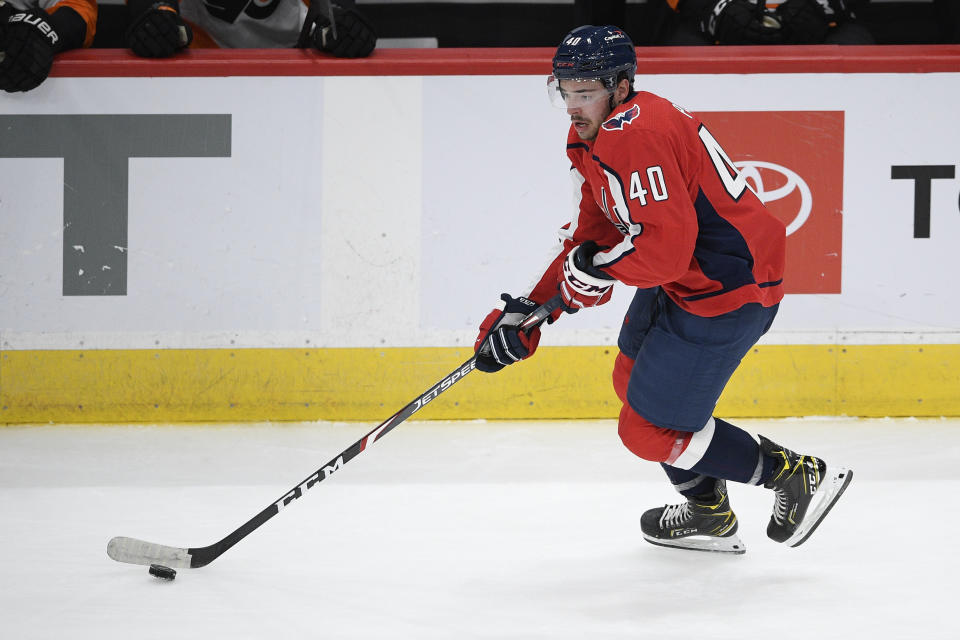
(134, 551)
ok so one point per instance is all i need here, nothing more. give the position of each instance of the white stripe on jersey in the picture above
(697, 447)
(610, 256)
(578, 180)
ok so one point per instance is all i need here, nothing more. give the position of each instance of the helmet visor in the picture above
(576, 93)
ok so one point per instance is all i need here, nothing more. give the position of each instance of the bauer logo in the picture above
(793, 161)
(619, 121)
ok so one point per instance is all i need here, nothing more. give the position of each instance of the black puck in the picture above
(162, 572)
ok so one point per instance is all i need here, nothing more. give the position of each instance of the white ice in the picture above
(462, 530)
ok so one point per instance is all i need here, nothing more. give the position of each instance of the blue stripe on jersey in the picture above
(721, 251)
(578, 145)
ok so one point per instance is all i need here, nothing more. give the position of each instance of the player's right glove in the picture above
(741, 22)
(157, 31)
(583, 285)
(500, 341)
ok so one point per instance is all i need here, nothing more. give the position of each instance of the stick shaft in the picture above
(201, 557)
(141, 552)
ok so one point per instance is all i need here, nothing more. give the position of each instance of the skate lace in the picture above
(780, 507)
(674, 514)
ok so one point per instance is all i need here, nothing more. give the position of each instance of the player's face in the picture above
(588, 103)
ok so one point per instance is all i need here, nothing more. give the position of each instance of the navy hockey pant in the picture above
(671, 370)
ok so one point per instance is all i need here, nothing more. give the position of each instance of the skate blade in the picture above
(730, 544)
(826, 496)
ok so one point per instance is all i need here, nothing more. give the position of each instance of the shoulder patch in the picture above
(619, 121)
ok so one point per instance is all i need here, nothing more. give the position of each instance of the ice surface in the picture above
(461, 530)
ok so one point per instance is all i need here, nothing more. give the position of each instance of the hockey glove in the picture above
(741, 22)
(581, 284)
(158, 32)
(355, 36)
(29, 41)
(500, 342)
(803, 22)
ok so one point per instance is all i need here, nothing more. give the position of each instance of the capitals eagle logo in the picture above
(619, 121)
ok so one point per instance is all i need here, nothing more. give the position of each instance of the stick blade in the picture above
(133, 551)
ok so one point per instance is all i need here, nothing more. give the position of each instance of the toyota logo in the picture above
(751, 171)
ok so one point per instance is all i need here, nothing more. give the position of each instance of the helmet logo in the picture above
(595, 53)
(619, 121)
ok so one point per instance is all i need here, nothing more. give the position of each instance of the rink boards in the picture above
(174, 385)
(283, 237)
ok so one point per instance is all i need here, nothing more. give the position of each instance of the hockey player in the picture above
(159, 29)
(663, 209)
(747, 22)
(32, 33)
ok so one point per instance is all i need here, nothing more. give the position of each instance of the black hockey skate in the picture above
(806, 489)
(697, 524)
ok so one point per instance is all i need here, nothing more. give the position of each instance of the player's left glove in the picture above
(355, 36)
(29, 41)
(500, 341)
(803, 21)
(157, 31)
(583, 285)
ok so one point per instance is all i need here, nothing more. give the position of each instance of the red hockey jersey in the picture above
(660, 194)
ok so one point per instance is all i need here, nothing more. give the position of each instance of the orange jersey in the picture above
(659, 192)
